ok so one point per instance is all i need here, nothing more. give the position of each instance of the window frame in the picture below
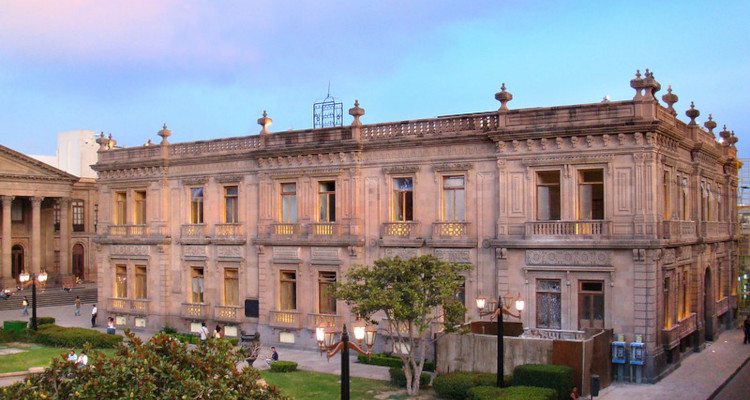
(538, 292)
(291, 281)
(121, 281)
(231, 204)
(326, 198)
(78, 208)
(592, 294)
(323, 295)
(581, 183)
(197, 205)
(140, 291)
(121, 208)
(454, 191)
(140, 207)
(197, 273)
(550, 204)
(408, 200)
(231, 287)
(288, 213)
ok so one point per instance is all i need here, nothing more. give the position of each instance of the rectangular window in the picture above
(196, 205)
(667, 305)
(548, 304)
(591, 305)
(548, 195)
(288, 202)
(327, 201)
(684, 200)
(288, 291)
(667, 198)
(56, 215)
(78, 216)
(16, 210)
(121, 281)
(591, 194)
(121, 208)
(453, 198)
(231, 213)
(141, 282)
(140, 208)
(684, 298)
(198, 285)
(403, 202)
(231, 287)
(326, 301)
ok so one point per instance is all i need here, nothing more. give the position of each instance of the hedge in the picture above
(57, 336)
(389, 360)
(283, 366)
(398, 378)
(45, 321)
(511, 393)
(14, 326)
(456, 385)
(194, 339)
(558, 377)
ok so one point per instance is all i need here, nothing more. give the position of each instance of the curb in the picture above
(726, 382)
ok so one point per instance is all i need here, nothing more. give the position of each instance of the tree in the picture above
(413, 294)
(162, 368)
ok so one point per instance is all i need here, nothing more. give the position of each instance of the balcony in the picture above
(671, 337)
(722, 306)
(313, 320)
(228, 231)
(128, 306)
(714, 229)
(192, 231)
(450, 230)
(284, 229)
(325, 229)
(228, 313)
(673, 229)
(405, 230)
(128, 230)
(568, 229)
(285, 319)
(195, 311)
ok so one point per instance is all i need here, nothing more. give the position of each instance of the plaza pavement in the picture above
(696, 379)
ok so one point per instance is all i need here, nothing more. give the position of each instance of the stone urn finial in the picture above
(670, 98)
(164, 133)
(710, 124)
(102, 142)
(356, 112)
(692, 113)
(265, 122)
(503, 97)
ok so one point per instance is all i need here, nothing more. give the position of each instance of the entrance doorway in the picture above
(708, 309)
(78, 264)
(17, 261)
(591, 305)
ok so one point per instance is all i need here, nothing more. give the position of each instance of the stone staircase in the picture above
(51, 296)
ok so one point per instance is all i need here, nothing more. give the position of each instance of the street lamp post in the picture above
(325, 336)
(33, 280)
(502, 307)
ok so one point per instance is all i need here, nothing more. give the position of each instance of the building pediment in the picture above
(15, 166)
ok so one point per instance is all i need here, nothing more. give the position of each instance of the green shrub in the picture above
(398, 378)
(14, 326)
(511, 393)
(168, 330)
(389, 360)
(457, 384)
(45, 321)
(57, 336)
(283, 366)
(558, 377)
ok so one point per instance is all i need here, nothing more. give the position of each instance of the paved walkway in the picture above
(306, 359)
(696, 379)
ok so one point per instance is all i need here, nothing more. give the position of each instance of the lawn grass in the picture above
(301, 385)
(35, 356)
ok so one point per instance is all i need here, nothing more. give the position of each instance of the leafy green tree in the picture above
(414, 295)
(162, 368)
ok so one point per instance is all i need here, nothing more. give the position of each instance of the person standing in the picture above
(78, 306)
(94, 312)
(746, 327)
(25, 304)
(203, 333)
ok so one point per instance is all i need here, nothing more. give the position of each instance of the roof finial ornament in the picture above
(164, 133)
(670, 98)
(638, 73)
(356, 112)
(103, 142)
(503, 97)
(692, 113)
(725, 134)
(732, 139)
(710, 124)
(265, 122)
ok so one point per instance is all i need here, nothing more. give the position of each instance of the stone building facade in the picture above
(48, 221)
(611, 215)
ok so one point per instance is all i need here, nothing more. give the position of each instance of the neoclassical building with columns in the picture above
(614, 215)
(48, 221)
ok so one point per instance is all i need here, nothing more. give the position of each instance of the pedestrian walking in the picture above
(746, 327)
(203, 333)
(78, 306)
(25, 304)
(94, 312)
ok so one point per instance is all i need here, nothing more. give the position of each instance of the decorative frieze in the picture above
(685, 252)
(193, 251)
(454, 255)
(129, 250)
(401, 169)
(404, 253)
(229, 251)
(286, 252)
(452, 167)
(569, 257)
(668, 256)
(325, 253)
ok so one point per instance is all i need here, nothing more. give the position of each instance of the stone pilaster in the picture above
(65, 227)
(7, 262)
(36, 234)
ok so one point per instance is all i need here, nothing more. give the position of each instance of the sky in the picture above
(208, 69)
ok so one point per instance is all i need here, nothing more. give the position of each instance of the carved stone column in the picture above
(36, 234)
(7, 262)
(65, 226)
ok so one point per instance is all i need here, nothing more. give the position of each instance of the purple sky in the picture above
(209, 68)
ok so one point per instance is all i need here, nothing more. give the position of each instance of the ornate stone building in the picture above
(48, 220)
(611, 215)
